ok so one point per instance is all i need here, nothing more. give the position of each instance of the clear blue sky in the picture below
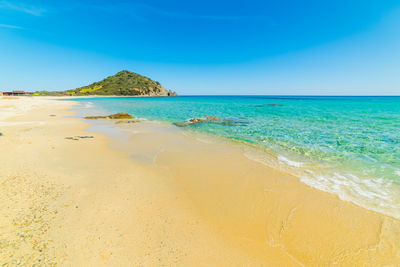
(319, 47)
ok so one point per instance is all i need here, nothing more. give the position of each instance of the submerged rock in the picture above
(203, 119)
(128, 121)
(209, 118)
(182, 123)
(269, 105)
(117, 116)
(195, 120)
(212, 119)
(233, 122)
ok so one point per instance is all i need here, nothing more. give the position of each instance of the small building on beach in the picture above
(16, 93)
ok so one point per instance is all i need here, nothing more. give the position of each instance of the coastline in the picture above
(165, 198)
(358, 165)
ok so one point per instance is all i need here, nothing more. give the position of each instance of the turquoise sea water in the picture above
(349, 146)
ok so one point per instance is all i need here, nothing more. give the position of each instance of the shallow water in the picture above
(349, 146)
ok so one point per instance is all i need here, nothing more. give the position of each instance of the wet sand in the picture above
(164, 197)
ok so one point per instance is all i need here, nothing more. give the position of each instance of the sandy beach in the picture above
(154, 195)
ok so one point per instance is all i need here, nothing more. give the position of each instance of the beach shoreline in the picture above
(161, 197)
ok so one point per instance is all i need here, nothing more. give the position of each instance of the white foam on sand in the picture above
(379, 195)
(290, 162)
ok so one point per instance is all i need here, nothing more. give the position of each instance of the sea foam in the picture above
(379, 195)
(290, 162)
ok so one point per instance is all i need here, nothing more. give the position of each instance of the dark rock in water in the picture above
(128, 121)
(269, 105)
(234, 122)
(212, 119)
(117, 116)
(203, 119)
(182, 123)
(196, 120)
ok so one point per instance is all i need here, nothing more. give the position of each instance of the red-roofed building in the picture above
(15, 93)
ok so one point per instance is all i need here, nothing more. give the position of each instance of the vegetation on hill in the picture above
(124, 83)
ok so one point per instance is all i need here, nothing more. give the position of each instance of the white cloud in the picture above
(145, 12)
(20, 7)
(7, 26)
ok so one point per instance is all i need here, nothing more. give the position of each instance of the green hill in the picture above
(124, 83)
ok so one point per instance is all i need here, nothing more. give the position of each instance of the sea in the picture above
(347, 146)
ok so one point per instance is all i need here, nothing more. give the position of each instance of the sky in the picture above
(279, 47)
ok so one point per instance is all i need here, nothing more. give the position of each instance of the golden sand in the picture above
(164, 198)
